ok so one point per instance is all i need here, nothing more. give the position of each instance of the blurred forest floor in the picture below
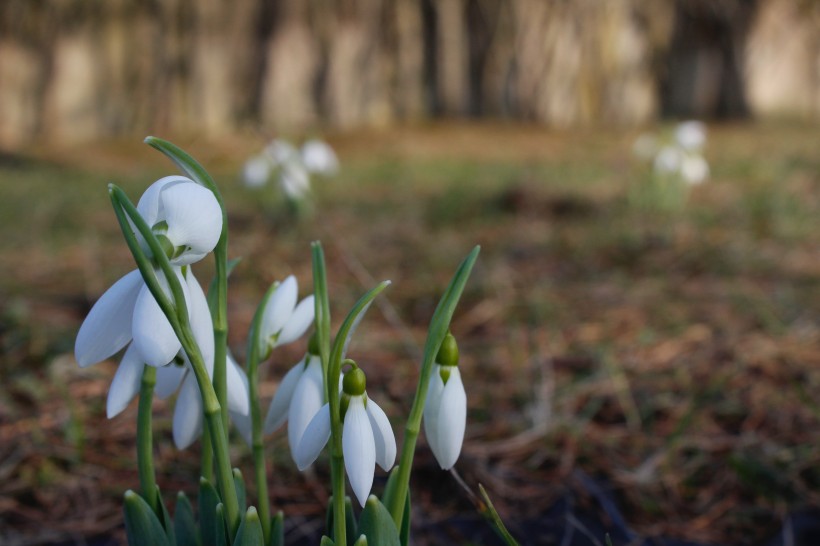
(671, 357)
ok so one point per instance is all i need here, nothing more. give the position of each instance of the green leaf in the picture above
(142, 526)
(185, 527)
(220, 527)
(250, 530)
(377, 524)
(321, 301)
(404, 532)
(239, 483)
(166, 519)
(187, 164)
(361, 542)
(350, 520)
(490, 513)
(208, 501)
(277, 530)
(327, 542)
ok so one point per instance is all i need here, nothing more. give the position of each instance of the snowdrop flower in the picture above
(367, 438)
(445, 410)
(294, 180)
(256, 171)
(694, 169)
(319, 157)
(690, 135)
(188, 223)
(668, 160)
(281, 151)
(283, 321)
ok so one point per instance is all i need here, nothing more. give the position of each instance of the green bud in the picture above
(354, 382)
(448, 353)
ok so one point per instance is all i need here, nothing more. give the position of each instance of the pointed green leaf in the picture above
(208, 501)
(404, 532)
(327, 542)
(142, 526)
(361, 542)
(187, 164)
(377, 525)
(220, 527)
(277, 530)
(250, 530)
(239, 483)
(166, 518)
(490, 513)
(185, 527)
(350, 520)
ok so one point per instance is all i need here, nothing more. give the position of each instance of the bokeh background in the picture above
(646, 371)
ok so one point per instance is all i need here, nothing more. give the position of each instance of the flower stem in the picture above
(337, 473)
(207, 456)
(220, 321)
(145, 450)
(258, 447)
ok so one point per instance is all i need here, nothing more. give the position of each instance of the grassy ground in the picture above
(673, 356)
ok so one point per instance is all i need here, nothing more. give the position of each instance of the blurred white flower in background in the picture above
(319, 157)
(691, 135)
(679, 155)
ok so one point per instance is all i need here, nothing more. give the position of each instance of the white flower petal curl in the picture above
(308, 397)
(280, 404)
(168, 380)
(107, 328)
(431, 409)
(314, 439)
(201, 322)
(194, 219)
(452, 421)
(153, 335)
(126, 383)
(150, 204)
(187, 414)
(383, 437)
(279, 308)
(256, 171)
(359, 449)
(299, 321)
(238, 399)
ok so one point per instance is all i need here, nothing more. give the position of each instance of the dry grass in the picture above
(673, 358)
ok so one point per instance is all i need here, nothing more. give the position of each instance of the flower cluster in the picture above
(679, 156)
(291, 167)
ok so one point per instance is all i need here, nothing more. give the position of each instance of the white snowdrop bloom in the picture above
(690, 135)
(445, 410)
(294, 180)
(256, 171)
(668, 160)
(189, 222)
(694, 169)
(283, 321)
(184, 215)
(319, 157)
(367, 437)
(281, 151)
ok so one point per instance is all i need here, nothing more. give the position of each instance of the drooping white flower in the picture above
(694, 169)
(367, 437)
(690, 135)
(318, 157)
(281, 151)
(668, 160)
(283, 321)
(294, 180)
(445, 410)
(127, 311)
(256, 171)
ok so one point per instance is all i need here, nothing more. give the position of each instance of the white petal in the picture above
(278, 410)
(279, 309)
(126, 383)
(107, 328)
(168, 379)
(256, 171)
(194, 218)
(153, 335)
(150, 205)
(238, 401)
(243, 427)
(281, 151)
(314, 439)
(201, 322)
(431, 407)
(452, 420)
(188, 414)
(383, 436)
(294, 179)
(299, 321)
(319, 157)
(308, 397)
(359, 449)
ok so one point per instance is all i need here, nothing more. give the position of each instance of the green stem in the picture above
(207, 456)
(220, 380)
(337, 473)
(258, 447)
(145, 450)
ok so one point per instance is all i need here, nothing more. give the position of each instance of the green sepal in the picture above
(326, 542)
(185, 527)
(220, 528)
(362, 541)
(208, 501)
(241, 494)
(142, 526)
(350, 520)
(250, 530)
(277, 530)
(212, 288)
(377, 524)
